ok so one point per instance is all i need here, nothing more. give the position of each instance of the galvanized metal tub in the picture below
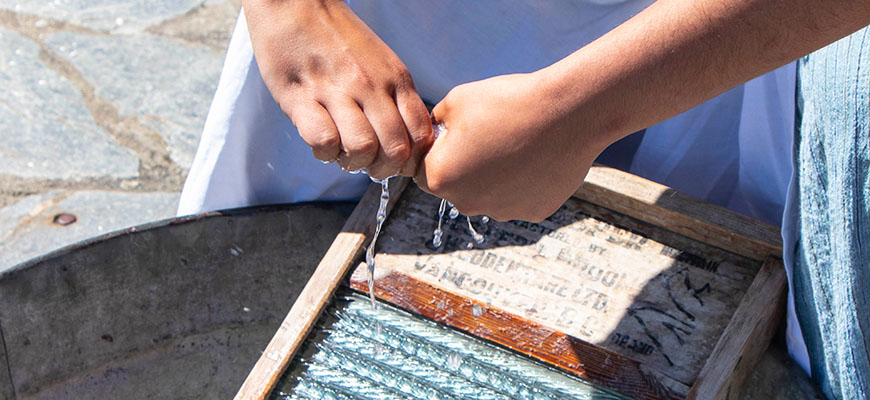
(180, 308)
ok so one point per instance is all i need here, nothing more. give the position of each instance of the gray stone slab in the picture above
(97, 212)
(13, 216)
(45, 130)
(168, 85)
(116, 16)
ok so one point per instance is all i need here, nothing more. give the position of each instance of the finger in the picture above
(359, 144)
(420, 178)
(393, 143)
(419, 128)
(317, 129)
(439, 112)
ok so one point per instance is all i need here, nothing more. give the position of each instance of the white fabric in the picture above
(250, 153)
(734, 150)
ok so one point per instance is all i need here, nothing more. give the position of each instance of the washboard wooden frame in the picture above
(737, 350)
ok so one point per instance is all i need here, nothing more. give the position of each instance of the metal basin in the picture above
(174, 309)
(183, 308)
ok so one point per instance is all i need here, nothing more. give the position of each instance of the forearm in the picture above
(679, 53)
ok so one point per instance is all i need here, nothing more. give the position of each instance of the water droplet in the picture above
(454, 361)
(474, 235)
(454, 212)
(438, 130)
(484, 220)
(476, 310)
(469, 245)
(436, 239)
(436, 235)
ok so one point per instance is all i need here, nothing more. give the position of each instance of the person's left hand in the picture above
(510, 151)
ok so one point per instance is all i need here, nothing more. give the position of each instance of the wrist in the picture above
(575, 93)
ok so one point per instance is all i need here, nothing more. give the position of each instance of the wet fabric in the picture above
(831, 214)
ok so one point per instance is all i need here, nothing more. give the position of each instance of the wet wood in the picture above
(348, 245)
(593, 363)
(595, 276)
(660, 205)
(629, 285)
(747, 336)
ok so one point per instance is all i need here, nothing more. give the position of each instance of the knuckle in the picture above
(424, 138)
(363, 81)
(362, 148)
(325, 142)
(397, 152)
(403, 78)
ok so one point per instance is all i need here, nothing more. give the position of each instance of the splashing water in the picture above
(454, 212)
(436, 238)
(438, 234)
(370, 251)
(478, 238)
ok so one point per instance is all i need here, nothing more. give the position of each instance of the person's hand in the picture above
(350, 97)
(508, 151)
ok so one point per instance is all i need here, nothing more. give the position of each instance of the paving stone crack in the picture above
(35, 27)
(35, 212)
(150, 148)
(126, 131)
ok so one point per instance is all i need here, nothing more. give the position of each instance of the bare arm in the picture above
(348, 94)
(519, 145)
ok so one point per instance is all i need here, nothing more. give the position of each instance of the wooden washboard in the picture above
(631, 285)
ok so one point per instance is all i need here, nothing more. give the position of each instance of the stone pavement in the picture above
(101, 108)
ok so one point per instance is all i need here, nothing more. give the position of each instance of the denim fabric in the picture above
(832, 259)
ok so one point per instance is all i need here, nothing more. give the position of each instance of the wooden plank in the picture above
(348, 245)
(746, 338)
(681, 213)
(481, 320)
(580, 272)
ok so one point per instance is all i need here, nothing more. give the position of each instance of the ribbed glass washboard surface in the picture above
(356, 352)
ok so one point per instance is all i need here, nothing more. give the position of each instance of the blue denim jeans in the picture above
(832, 257)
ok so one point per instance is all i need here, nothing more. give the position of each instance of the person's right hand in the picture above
(348, 94)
